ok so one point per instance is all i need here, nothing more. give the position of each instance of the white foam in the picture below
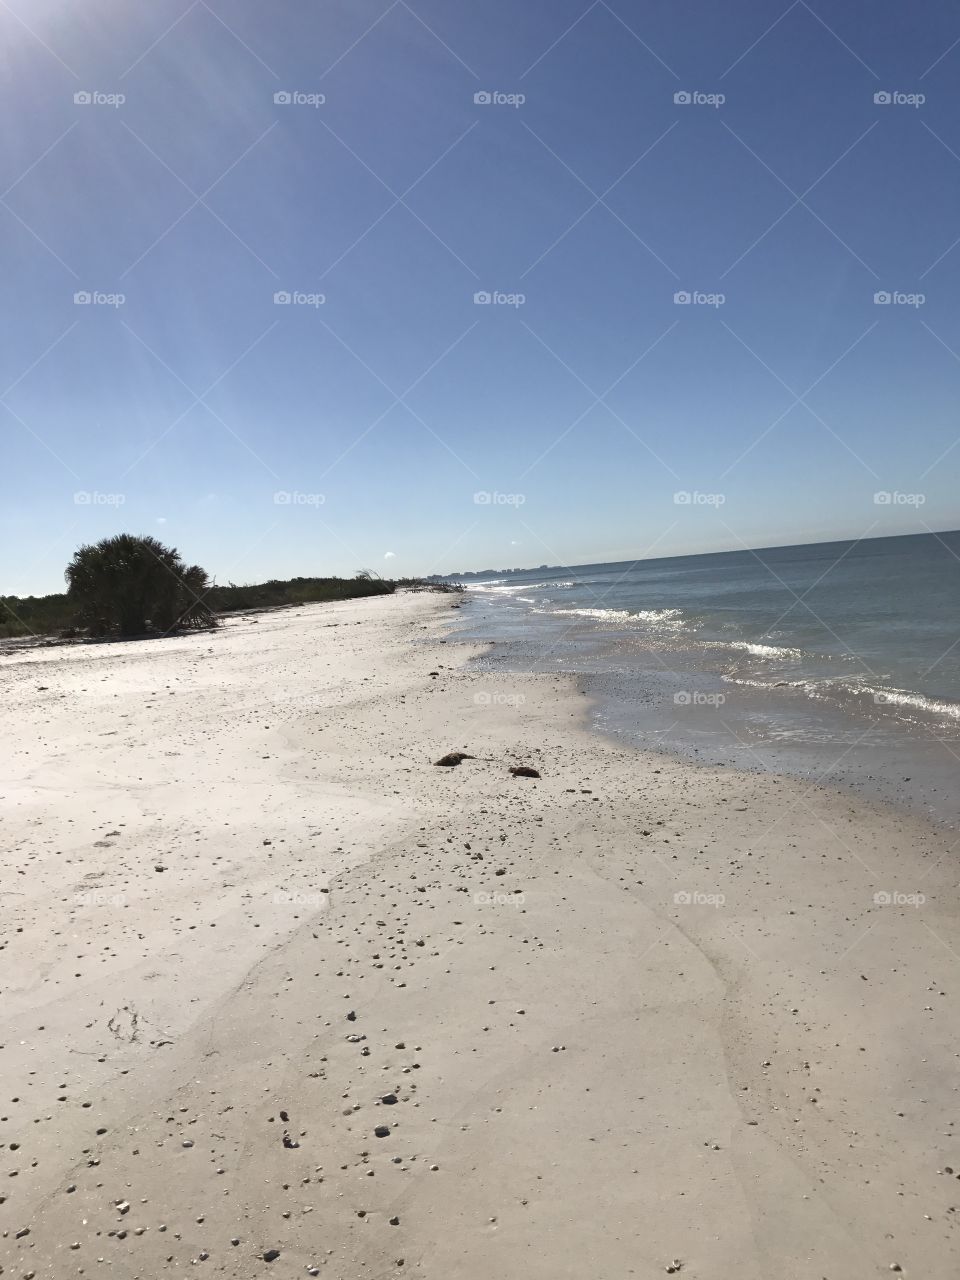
(763, 650)
(664, 619)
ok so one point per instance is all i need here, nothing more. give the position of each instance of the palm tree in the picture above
(129, 584)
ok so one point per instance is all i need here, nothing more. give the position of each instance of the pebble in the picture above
(381, 1131)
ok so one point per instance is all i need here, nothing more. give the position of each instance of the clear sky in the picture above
(383, 399)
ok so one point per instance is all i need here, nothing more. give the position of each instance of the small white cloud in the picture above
(391, 555)
(161, 519)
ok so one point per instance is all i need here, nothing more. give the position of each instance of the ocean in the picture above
(837, 662)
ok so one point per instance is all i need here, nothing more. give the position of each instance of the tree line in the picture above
(131, 586)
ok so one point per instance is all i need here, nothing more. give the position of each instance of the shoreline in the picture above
(751, 729)
(599, 1070)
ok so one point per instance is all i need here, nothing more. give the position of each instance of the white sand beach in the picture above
(279, 997)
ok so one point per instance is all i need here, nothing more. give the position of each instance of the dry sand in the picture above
(246, 923)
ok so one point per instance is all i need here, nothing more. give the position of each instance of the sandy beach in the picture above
(282, 998)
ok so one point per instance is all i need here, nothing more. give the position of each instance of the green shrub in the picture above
(129, 585)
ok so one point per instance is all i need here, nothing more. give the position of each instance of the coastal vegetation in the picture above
(128, 586)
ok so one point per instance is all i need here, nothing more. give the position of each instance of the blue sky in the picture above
(266, 439)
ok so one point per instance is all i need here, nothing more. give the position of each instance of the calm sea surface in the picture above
(838, 661)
